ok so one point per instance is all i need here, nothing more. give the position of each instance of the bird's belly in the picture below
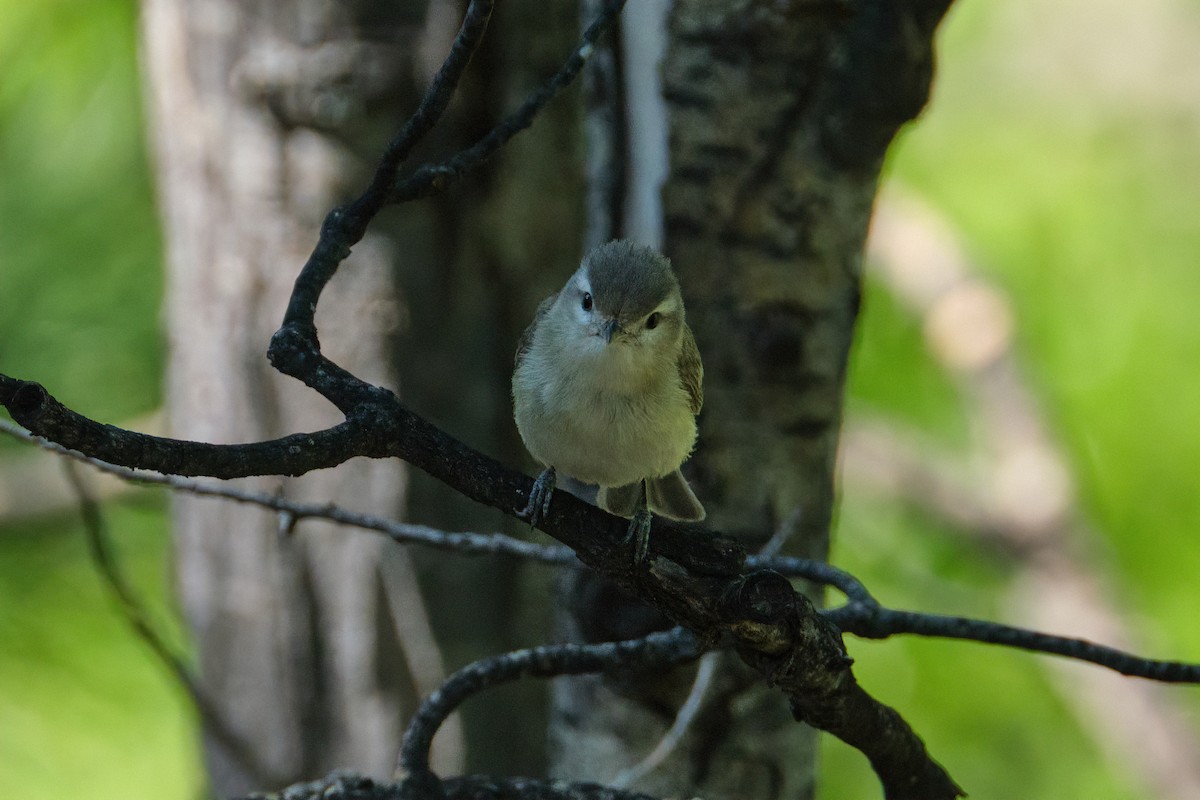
(608, 441)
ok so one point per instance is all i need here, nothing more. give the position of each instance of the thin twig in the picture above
(433, 104)
(683, 720)
(291, 512)
(139, 619)
(874, 622)
(783, 531)
(345, 226)
(463, 542)
(664, 648)
(817, 572)
(433, 178)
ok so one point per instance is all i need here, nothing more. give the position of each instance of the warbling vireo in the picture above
(607, 387)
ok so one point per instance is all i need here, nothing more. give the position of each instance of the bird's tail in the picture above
(668, 496)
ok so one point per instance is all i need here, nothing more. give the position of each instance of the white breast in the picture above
(579, 422)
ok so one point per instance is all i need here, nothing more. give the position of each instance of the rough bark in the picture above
(780, 115)
(260, 112)
(778, 118)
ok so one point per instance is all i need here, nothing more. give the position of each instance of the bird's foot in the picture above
(639, 527)
(639, 534)
(539, 497)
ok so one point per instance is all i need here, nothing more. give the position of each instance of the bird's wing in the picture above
(526, 340)
(691, 371)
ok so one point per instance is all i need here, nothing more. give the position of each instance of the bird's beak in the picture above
(609, 329)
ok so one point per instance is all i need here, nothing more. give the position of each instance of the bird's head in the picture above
(626, 303)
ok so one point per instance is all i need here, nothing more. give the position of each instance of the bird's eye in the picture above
(652, 321)
(587, 301)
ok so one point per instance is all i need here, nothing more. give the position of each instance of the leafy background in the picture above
(1062, 145)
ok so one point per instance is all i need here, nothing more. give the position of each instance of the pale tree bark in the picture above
(266, 116)
(776, 120)
(258, 112)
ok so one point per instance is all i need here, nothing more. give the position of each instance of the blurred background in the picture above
(1023, 424)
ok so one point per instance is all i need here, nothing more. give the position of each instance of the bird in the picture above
(606, 388)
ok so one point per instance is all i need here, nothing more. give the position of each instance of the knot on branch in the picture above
(23, 399)
(294, 349)
(779, 632)
(341, 228)
(428, 179)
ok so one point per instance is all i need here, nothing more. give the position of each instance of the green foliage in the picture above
(87, 710)
(1079, 197)
(80, 274)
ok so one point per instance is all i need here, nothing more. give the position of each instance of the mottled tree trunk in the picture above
(261, 113)
(777, 117)
(266, 115)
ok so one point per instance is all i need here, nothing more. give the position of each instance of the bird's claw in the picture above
(539, 497)
(639, 534)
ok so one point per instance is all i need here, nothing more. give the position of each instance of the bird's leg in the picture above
(639, 527)
(539, 497)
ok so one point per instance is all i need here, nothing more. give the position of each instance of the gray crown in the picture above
(628, 279)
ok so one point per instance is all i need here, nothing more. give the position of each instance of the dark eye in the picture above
(587, 301)
(652, 321)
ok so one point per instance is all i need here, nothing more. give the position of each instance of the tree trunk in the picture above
(776, 119)
(260, 112)
(266, 116)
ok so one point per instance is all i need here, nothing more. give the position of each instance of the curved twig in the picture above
(433, 178)
(683, 720)
(345, 226)
(662, 649)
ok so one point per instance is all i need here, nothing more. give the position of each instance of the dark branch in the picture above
(471, 787)
(874, 622)
(294, 349)
(432, 106)
(344, 227)
(433, 178)
(777, 631)
(34, 408)
(656, 650)
(695, 578)
(819, 572)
